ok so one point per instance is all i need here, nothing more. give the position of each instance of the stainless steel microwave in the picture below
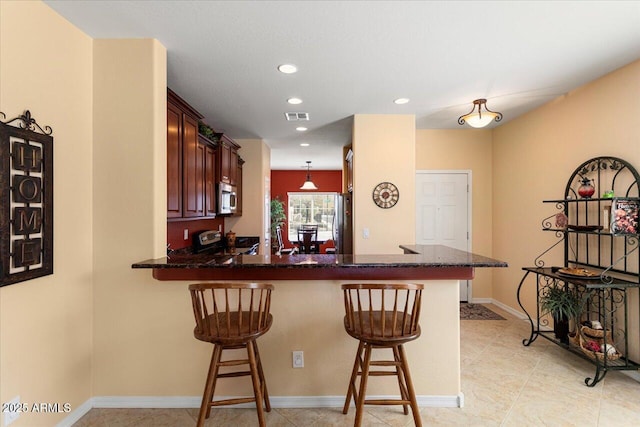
(227, 200)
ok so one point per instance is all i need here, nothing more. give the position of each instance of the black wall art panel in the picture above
(26, 199)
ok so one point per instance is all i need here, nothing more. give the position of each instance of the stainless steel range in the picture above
(211, 241)
(208, 241)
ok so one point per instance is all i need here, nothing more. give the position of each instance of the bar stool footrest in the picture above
(236, 362)
(234, 374)
(387, 402)
(234, 401)
(380, 373)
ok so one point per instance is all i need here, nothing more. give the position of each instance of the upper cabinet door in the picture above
(174, 161)
(225, 162)
(193, 185)
(233, 167)
(210, 180)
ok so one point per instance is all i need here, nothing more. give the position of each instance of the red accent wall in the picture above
(284, 181)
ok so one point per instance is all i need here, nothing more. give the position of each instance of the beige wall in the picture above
(257, 169)
(465, 149)
(534, 155)
(384, 150)
(129, 215)
(46, 323)
(98, 328)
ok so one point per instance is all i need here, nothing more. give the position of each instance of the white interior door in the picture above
(443, 213)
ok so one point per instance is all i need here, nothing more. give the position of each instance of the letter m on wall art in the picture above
(26, 199)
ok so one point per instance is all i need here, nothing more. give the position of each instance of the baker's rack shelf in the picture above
(610, 258)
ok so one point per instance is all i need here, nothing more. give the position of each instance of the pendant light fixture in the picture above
(308, 184)
(480, 118)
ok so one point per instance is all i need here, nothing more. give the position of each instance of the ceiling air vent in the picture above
(294, 117)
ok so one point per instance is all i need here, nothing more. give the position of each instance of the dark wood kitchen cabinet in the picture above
(174, 161)
(182, 153)
(199, 179)
(239, 187)
(196, 164)
(193, 172)
(210, 166)
(228, 161)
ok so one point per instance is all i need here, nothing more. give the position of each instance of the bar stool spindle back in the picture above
(382, 316)
(232, 316)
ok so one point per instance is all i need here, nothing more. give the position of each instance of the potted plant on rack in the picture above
(563, 305)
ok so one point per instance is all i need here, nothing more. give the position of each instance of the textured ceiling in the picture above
(357, 57)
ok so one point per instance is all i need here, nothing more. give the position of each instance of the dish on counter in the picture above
(584, 227)
(582, 273)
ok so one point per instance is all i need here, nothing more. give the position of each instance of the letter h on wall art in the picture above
(26, 199)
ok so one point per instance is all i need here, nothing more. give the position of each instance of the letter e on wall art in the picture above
(26, 199)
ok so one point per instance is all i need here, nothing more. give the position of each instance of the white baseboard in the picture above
(635, 375)
(76, 414)
(276, 402)
(508, 309)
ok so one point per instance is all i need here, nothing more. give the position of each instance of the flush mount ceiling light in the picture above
(287, 68)
(304, 144)
(479, 119)
(308, 184)
(294, 101)
(401, 101)
(301, 128)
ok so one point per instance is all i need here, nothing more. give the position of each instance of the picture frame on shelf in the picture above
(624, 215)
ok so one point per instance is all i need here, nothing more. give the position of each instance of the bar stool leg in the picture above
(263, 382)
(256, 382)
(352, 392)
(363, 385)
(404, 395)
(412, 395)
(209, 387)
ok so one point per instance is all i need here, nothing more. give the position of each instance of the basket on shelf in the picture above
(598, 335)
(574, 338)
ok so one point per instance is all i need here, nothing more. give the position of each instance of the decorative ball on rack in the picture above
(561, 220)
(609, 349)
(596, 324)
(586, 190)
(592, 346)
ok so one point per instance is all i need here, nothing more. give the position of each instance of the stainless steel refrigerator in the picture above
(343, 224)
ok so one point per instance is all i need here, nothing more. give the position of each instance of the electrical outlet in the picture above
(298, 359)
(186, 234)
(13, 410)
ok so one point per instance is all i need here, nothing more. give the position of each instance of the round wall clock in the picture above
(385, 195)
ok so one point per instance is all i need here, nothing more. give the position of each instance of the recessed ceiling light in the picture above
(301, 128)
(401, 101)
(304, 144)
(287, 68)
(294, 101)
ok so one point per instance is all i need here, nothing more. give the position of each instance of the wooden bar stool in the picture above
(232, 316)
(382, 316)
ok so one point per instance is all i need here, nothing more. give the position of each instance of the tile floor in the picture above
(504, 384)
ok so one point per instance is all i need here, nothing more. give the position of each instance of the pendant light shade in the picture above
(308, 184)
(479, 118)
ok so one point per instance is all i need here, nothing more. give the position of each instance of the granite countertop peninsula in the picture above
(426, 261)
